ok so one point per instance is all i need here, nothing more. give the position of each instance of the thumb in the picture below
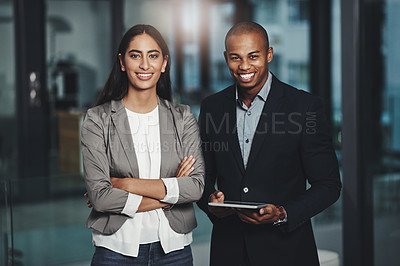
(221, 197)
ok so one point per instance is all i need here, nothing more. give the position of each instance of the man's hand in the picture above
(266, 215)
(88, 201)
(219, 197)
(186, 166)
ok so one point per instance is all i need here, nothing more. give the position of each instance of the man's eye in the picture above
(235, 58)
(253, 56)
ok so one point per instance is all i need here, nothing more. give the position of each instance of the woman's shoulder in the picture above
(99, 112)
(177, 107)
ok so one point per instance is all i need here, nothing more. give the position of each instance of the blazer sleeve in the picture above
(102, 195)
(210, 168)
(320, 166)
(191, 187)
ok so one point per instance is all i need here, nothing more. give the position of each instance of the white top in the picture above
(150, 226)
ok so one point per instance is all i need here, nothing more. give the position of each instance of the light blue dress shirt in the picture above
(247, 118)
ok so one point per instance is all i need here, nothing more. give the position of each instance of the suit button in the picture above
(245, 189)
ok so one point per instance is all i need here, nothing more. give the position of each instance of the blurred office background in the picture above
(55, 56)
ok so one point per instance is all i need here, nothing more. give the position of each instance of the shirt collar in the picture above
(263, 93)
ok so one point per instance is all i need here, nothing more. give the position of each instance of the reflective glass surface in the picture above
(79, 58)
(8, 112)
(386, 181)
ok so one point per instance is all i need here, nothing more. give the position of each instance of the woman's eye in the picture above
(153, 56)
(135, 56)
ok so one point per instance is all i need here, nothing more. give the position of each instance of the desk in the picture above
(69, 152)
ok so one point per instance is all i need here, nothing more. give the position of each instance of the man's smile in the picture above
(247, 77)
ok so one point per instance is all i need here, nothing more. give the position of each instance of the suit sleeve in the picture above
(210, 168)
(320, 166)
(102, 195)
(191, 187)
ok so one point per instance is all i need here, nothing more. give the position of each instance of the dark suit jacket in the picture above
(292, 145)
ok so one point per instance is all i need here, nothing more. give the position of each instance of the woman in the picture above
(142, 160)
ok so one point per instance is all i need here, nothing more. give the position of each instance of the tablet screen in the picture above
(239, 204)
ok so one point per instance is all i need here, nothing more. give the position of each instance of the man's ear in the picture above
(270, 54)
(121, 62)
(226, 57)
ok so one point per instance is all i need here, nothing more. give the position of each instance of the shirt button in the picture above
(249, 113)
(245, 189)
(247, 140)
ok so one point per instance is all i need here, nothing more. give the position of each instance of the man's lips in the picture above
(144, 76)
(247, 77)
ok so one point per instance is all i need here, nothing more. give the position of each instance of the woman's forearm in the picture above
(151, 188)
(149, 204)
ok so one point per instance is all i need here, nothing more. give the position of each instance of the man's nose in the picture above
(244, 65)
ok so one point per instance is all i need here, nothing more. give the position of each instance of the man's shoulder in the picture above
(218, 96)
(296, 95)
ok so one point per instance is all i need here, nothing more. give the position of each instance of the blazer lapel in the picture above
(264, 126)
(167, 133)
(121, 124)
(233, 139)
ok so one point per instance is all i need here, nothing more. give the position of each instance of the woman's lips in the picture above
(144, 76)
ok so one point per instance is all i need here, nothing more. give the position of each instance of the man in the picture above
(263, 139)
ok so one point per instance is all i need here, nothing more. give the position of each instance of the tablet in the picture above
(239, 204)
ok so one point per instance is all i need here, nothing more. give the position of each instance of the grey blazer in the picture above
(108, 151)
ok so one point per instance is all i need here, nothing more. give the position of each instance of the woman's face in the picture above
(143, 63)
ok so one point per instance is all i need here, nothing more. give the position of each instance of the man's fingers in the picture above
(219, 212)
(246, 219)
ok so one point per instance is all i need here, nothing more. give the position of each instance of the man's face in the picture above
(247, 56)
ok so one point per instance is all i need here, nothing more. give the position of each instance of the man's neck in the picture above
(247, 95)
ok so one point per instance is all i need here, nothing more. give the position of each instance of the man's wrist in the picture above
(282, 216)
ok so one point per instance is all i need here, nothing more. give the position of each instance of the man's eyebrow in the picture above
(138, 51)
(254, 52)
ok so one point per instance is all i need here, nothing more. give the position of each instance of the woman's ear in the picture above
(164, 65)
(121, 62)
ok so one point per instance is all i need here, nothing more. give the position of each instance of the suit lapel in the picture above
(121, 124)
(167, 133)
(230, 106)
(264, 126)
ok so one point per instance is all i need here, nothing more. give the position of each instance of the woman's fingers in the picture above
(180, 165)
(186, 166)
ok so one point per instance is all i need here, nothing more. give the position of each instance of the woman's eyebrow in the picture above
(138, 51)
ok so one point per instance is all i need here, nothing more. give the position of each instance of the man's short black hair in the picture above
(247, 27)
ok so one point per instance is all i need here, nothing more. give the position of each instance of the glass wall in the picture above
(328, 224)
(5, 224)
(288, 26)
(79, 58)
(8, 112)
(386, 181)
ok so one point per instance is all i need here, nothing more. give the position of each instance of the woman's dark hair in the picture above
(116, 86)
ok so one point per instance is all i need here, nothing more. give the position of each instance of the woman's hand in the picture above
(88, 201)
(186, 166)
